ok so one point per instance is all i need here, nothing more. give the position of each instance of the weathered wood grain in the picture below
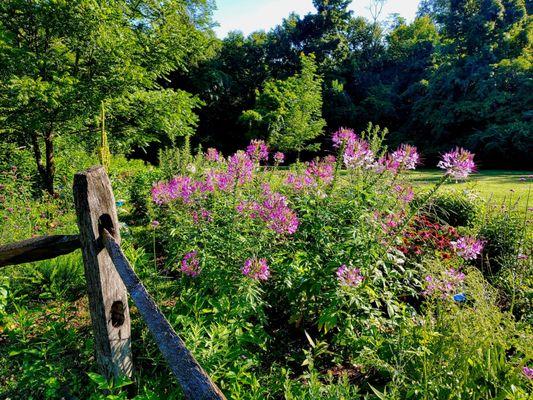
(37, 249)
(194, 381)
(108, 302)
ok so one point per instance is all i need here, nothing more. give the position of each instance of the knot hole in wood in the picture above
(117, 314)
(105, 222)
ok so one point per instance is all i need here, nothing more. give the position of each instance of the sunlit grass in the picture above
(497, 187)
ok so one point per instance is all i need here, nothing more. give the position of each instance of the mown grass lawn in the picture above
(497, 187)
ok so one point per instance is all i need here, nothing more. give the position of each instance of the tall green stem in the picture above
(155, 254)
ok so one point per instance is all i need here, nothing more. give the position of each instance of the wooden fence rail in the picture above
(37, 249)
(109, 278)
(195, 383)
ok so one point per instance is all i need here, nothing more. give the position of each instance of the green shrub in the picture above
(139, 195)
(503, 234)
(468, 350)
(455, 208)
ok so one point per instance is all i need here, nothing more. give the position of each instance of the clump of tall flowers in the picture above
(468, 247)
(355, 152)
(458, 163)
(445, 285)
(319, 172)
(406, 157)
(273, 210)
(256, 268)
(257, 150)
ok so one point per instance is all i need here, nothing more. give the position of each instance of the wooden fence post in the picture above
(108, 302)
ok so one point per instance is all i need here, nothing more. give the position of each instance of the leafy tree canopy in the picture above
(290, 110)
(60, 59)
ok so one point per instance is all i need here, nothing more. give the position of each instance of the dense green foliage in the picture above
(289, 112)
(60, 60)
(459, 74)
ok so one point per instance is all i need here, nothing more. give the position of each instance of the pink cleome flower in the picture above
(278, 215)
(317, 171)
(257, 269)
(279, 157)
(343, 137)
(458, 163)
(358, 155)
(273, 210)
(179, 187)
(350, 277)
(240, 167)
(190, 265)
(444, 286)
(468, 247)
(321, 170)
(300, 182)
(257, 150)
(357, 151)
(239, 172)
(404, 158)
(212, 154)
(528, 372)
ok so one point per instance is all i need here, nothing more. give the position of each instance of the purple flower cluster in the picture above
(274, 211)
(239, 171)
(404, 158)
(212, 155)
(179, 187)
(240, 167)
(358, 155)
(257, 150)
(317, 171)
(357, 151)
(257, 269)
(349, 276)
(279, 158)
(468, 247)
(344, 137)
(405, 193)
(458, 163)
(528, 372)
(321, 170)
(444, 286)
(278, 215)
(300, 182)
(219, 180)
(190, 265)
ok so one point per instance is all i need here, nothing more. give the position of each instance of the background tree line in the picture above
(460, 74)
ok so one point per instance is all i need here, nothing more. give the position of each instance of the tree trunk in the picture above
(50, 162)
(37, 156)
(47, 170)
